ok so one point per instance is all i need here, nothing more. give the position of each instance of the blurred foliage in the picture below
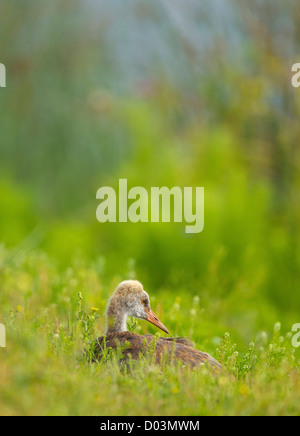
(229, 122)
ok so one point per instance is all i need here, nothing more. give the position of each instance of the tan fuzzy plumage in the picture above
(130, 299)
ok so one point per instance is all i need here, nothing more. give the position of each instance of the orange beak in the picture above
(154, 320)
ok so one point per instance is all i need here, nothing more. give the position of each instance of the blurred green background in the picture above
(161, 93)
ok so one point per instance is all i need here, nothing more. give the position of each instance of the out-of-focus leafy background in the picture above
(162, 93)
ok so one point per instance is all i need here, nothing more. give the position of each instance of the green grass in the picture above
(51, 317)
(68, 127)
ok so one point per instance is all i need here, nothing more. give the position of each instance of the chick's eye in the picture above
(145, 301)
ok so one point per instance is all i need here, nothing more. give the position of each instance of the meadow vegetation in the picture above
(227, 118)
(52, 318)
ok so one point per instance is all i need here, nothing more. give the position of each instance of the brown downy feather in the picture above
(130, 299)
(167, 350)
